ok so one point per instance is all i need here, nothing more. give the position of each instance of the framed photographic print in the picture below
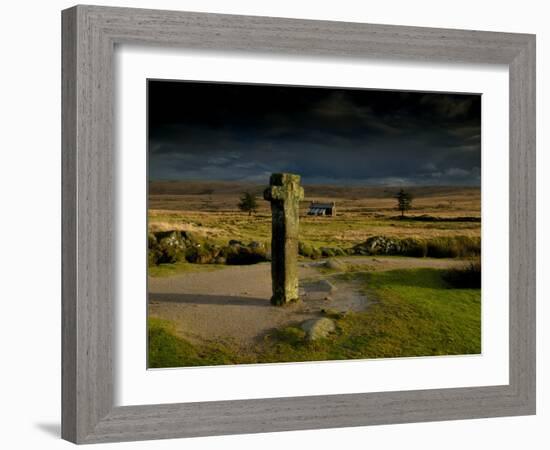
(267, 222)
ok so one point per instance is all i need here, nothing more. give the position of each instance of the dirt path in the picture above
(233, 303)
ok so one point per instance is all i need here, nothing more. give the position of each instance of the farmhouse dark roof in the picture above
(321, 205)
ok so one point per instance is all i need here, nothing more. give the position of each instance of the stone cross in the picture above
(284, 193)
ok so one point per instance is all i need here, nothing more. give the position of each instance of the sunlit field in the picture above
(210, 210)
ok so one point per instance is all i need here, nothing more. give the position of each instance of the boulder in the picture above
(335, 264)
(327, 251)
(378, 245)
(325, 286)
(308, 250)
(199, 254)
(153, 252)
(220, 260)
(237, 254)
(318, 328)
(189, 237)
(256, 245)
(171, 248)
(317, 288)
(339, 251)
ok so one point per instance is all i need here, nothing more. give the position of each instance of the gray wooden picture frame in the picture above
(89, 37)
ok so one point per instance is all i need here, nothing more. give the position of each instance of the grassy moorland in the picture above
(414, 313)
(210, 211)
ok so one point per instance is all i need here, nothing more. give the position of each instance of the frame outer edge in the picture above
(89, 415)
(523, 225)
(68, 224)
(304, 37)
(87, 299)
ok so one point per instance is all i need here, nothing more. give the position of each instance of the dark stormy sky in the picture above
(205, 131)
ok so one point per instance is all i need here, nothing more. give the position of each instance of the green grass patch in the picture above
(416, 314)
(168, 350)
(168, 270)
(419, 314)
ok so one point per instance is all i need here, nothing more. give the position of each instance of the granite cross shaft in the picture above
(284, 193)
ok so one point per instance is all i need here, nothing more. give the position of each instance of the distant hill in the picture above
(202, 187)
(350, 192)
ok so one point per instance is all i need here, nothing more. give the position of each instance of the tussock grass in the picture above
(466, 277)
(454, 247)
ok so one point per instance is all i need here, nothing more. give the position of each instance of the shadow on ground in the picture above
(201, 299)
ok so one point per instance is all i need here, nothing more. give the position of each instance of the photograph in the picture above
(292, 224)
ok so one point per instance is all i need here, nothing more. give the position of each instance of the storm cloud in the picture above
(215, 131)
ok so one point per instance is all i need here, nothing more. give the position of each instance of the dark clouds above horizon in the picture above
(207, 131)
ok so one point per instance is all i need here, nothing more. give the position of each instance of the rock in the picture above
(151, 240)
(189, 237)
(237, 254)
(325, 286)
(327, 251)
(332, 313)
(235, 242)
(171, 248)
(378, 245)
(306, 250)
(153, 252)
(200, 255)
(335, 264)
(318, 328)
(256, 244)
(317, 289)
(154, 256)
(332, 251)
(339, 251)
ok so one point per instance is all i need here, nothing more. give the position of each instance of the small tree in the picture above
(248, 203)
(404, 201)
